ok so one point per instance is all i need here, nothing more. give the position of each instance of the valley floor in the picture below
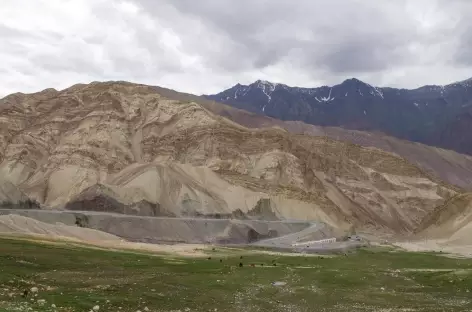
(75, 277)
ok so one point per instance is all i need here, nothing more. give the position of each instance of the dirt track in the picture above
(313, 239)
(197, 230)
(164, 229)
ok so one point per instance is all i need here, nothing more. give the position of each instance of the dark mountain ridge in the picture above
(434, 115)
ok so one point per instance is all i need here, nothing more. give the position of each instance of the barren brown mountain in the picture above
(130, 148)
(452, 220)
(448, 165)
(448, 228)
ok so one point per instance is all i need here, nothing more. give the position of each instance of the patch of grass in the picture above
(75, 278)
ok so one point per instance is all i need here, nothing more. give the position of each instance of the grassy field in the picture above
(76, 278)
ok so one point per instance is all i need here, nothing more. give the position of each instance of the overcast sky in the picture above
(205, 46)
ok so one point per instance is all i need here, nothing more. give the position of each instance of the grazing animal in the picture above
(25, 293)
(240, 264)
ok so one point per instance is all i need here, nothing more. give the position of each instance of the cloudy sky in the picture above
(204, 46)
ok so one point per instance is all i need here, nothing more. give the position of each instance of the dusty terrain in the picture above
(112, 231)
(121, 147)
(448, 228)
(168, 230)
(16, 226)
(450, 166)
(452, 220)
(10, 193)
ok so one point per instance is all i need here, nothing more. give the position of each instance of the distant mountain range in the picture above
(435, 115)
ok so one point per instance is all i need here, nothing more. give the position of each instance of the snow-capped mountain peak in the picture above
(265, 84)
(266, 87)
(464, 83)
(409, 114)
(362, 88)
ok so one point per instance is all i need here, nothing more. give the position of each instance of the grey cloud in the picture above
(362, 55)
(222, 42)
(344, 36)
(9, 32)
(65, 64)
(463, 54)
(230, 35)
(341, 37)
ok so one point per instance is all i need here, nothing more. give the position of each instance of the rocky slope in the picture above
(10, 195)
(448, 228)
(450, 166)
(433, 115)
(129, 148)
(452, 220)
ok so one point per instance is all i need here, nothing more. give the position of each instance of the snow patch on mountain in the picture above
(379, 92)
(307, 91)
(374, 91)
(326, 99)
(267, 88)
(464, 83)
(325, 94)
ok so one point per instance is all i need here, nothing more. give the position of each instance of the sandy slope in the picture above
(445, 246)
(448, 228)
(15, 225)
(10, 193)
(452, 221)
(136, 147)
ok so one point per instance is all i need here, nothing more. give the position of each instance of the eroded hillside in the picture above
(452, 220)
(449, 166)
(92, 143)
